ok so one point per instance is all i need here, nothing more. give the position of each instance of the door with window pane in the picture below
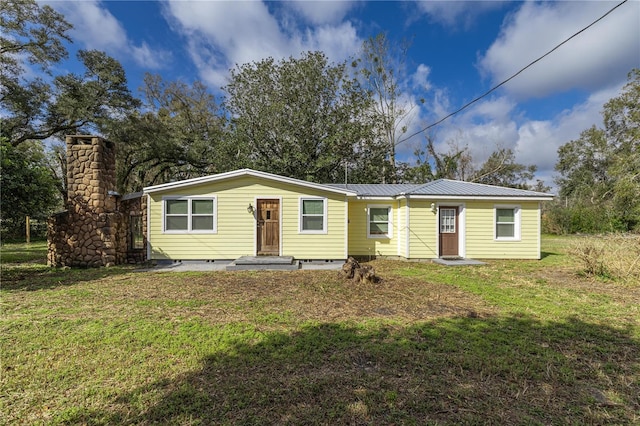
(448, 231)
(268, 238)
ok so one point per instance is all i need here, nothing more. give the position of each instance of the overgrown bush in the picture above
(583, 218)
(615, 256)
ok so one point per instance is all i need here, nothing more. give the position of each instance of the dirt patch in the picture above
(305, 295)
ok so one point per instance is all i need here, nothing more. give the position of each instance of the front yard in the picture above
(511, 342)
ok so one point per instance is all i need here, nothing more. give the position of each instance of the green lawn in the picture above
(511, 342)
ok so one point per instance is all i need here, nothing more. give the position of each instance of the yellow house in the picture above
(252, 213)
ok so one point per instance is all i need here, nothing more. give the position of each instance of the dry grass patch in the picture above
(614, 256)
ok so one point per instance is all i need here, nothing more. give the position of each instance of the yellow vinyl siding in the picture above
(422, 230)
(480, 224)
(236, 228)
(359, 242)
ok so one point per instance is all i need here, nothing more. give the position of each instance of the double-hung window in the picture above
(507, 223)
(190, 214)
(379, 222)
(313, 215)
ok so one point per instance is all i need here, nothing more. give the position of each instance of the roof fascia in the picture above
(244, 172)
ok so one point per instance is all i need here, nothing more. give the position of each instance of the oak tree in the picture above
(301, 117)
(178, 134)
(37, 108)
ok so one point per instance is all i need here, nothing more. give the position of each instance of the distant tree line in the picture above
(599, 173)
(302, 117)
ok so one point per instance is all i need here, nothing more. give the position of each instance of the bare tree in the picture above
(382, 67)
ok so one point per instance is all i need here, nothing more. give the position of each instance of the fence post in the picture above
(28, 230)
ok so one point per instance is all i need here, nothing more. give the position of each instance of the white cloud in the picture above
(147, 57)
(321, 12)
(538, 141)
(498, 123)
(496, 109)
(337, 41)
(223, 34)
(600, 56)
(456, 13)
(485, 127)
(96, 28)
(420, 79)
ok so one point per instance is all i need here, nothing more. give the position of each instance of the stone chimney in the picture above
(91, 232)
(91, 174)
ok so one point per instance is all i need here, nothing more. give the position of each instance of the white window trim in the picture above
(389, 235)
(189, 215)
(516, 225)
(324, 215)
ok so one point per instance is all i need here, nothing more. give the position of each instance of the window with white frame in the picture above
(190, 214)
(313, 215)
(507, 222)
(379, 222)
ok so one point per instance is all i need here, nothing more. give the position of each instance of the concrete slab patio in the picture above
(223, 265)
(250, 264)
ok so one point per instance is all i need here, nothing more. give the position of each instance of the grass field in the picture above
(511, 342)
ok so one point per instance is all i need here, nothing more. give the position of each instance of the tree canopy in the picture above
(28, 187)
(300, 117)
(599, 173)
(178, 134)
(38, 108)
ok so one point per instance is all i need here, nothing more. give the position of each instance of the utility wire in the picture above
(465, 106)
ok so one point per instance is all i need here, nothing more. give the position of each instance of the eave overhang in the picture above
(243, 173)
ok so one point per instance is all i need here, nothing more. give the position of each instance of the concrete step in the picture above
(264, 263)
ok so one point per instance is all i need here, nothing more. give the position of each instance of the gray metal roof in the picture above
(440, 187)
(446, 187)
(376, 189)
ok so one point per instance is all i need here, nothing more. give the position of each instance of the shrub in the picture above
(615, 256)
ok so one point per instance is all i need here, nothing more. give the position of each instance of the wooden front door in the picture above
(448, 231)
(268, 216)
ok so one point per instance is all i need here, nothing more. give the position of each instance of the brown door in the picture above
(268, 212)
(448, 231)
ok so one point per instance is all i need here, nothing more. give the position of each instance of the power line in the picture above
(465, 106)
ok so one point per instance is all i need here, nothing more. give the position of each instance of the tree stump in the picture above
(349, 268)
(352, 270)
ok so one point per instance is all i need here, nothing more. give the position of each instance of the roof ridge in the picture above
(422, 185)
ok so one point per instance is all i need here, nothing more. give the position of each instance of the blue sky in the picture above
(458, 51)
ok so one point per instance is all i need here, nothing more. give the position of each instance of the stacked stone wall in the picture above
(94, 229)
(90, 239)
